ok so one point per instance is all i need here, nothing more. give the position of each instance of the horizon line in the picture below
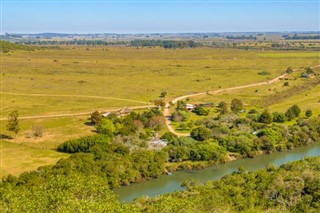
(187, 32)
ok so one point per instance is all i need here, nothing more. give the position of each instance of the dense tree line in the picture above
(141, 125)
(83, 144)
(258, 132)
(75, 42)
(114, 163)
(302, 37)
(61, 193)
(243, 37)
(170, 44)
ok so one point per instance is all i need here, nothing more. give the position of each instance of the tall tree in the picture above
(266, 117)
(236, 105)
(96, 117)
(13, 122)
(223, 108)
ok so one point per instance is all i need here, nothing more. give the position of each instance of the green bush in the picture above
(82, 144)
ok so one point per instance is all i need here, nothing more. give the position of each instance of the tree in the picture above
(296, 110)
(37, 130)
(190, 124)
(265, 117)
(286, 84)
(278, 117)
(201, 133)
(293, 112)
(160, 103)
(199, 110)
(309, 71)
(179, 116)
(290, 115)
(106, 127)
(163, 94)
(181, 105)
(169, 137)
(236, 105)
(289, 70)
(223, 108)
(96, 117)
(309, 113)
(157, 122)
(13, 122)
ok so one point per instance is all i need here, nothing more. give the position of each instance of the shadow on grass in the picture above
(88, 123)
(3, 136)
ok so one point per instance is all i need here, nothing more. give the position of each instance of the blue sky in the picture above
(147, 16)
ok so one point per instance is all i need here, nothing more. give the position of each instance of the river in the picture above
(170, 183)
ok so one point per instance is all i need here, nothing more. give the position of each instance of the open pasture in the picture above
(137, 74)
(16, 158)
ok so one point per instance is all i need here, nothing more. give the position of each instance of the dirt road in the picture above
(74, 96)
(76, 114)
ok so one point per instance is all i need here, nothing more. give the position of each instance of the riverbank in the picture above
(170, 183)
(196, 165)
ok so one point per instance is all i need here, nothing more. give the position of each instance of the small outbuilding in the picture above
(124, 111)
(190, 107)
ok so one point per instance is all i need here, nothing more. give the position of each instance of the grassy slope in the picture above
(16, 158)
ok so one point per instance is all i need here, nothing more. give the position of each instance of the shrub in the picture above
(265, 117)
(169, 137)
(82, 144)
(106, 127)
(278, 117)
(201, 133)
(293, 112)
(289, 70)
(96, 117)
(308, 113)
(236, 105)
(199, 110)
(286, 84)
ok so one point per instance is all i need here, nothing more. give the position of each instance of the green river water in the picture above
(170, 183)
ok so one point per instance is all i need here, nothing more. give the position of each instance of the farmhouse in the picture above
(190, 107)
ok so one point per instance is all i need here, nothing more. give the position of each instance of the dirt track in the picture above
(75, 96)
(74, 114)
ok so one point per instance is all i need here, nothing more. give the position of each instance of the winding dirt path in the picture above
(167, 115)
(74, 96)
(76, 114)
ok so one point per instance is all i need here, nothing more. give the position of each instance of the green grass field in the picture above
(16, 158)
(57, 81)
(129, 73)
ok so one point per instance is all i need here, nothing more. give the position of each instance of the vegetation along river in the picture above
(171, 183)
